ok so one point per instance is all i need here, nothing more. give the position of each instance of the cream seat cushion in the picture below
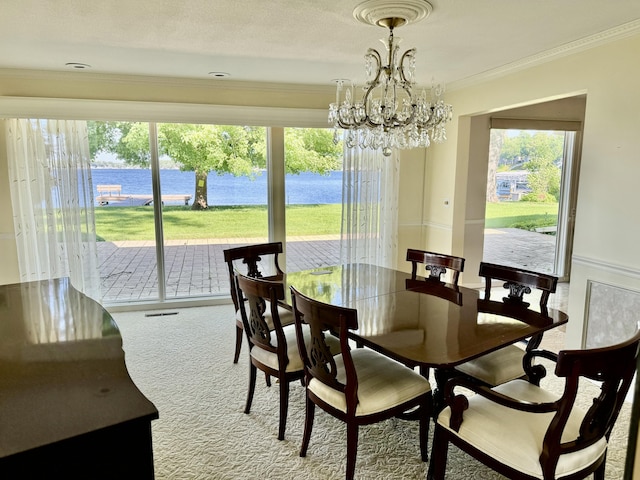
(270, 359)
(513, 437)
(496, 367)
(382, 383)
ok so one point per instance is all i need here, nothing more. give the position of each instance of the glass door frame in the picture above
(568, 183)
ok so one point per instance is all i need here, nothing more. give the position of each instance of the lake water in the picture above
(305, 188)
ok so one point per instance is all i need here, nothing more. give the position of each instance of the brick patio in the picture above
(197, 268)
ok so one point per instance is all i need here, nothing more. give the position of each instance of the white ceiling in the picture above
(297, 41)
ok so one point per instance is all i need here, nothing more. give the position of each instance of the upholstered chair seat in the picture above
(382, 383)
(496, 367)
(520, 447)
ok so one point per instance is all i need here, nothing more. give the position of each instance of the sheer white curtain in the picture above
(369, 207)
(52, 199)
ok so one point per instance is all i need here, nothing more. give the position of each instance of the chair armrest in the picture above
(459, 402)
(536, 372)
(544, 354)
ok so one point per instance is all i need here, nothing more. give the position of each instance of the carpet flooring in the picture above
(183, 363)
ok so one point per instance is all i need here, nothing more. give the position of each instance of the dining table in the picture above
(421, 322)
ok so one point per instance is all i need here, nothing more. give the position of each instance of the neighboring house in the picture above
(512, 185)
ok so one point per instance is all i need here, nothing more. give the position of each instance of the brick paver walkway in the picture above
(194, 267)
(197, 268)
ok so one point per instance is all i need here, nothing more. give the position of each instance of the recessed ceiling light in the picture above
(77, 66)
(219, 74)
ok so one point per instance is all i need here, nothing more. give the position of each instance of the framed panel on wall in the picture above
(612, 314)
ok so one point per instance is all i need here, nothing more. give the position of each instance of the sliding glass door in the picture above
(214, 196)
(313, 198)
(170, 198)
(125, 226)
(531, 194)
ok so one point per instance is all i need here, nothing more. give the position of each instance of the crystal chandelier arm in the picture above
(410, 55)
(374, 54)
(371, 84)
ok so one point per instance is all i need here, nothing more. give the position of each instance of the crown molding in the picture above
(586, 43)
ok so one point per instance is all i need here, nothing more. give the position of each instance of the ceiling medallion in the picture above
(411, 11)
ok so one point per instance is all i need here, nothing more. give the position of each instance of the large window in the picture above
(171, 197)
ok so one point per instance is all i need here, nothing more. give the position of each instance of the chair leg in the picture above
(284, 406)
(425, 420)
(599, 473)
(308, 426)
(438, 463)
(252, 387)
(352, 449)
(267, 379)
(239, 333)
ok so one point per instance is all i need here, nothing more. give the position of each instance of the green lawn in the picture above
(179, 222)
(524, 215)
(136, 223)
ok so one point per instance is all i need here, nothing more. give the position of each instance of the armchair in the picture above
(553, 437)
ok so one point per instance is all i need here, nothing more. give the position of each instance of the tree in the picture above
(311, 150)
(545, 156)
(515, 149)
(215, 148)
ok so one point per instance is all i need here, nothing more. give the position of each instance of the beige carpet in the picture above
(183, 364)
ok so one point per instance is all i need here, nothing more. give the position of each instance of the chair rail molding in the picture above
(606, 266)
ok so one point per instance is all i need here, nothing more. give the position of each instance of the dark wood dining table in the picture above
(419, 322)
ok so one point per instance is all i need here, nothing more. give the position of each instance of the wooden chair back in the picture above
(519, 282)
(613, 367)
(256, 291)
(436, 264)
(324, 319)
(256, 261)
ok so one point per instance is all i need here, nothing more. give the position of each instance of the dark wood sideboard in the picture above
(68, 407)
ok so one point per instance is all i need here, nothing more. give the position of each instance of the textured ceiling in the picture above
(297, 41)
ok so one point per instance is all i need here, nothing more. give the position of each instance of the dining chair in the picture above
(273, 348)
(436, 264)
(525, 432)
(357, 386)
(508, 363)
(258, 260)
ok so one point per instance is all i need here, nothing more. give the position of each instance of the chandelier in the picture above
(388, 114)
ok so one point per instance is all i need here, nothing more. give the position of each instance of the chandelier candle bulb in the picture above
(389, 116)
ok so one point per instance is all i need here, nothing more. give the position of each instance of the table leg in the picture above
(442, 376)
